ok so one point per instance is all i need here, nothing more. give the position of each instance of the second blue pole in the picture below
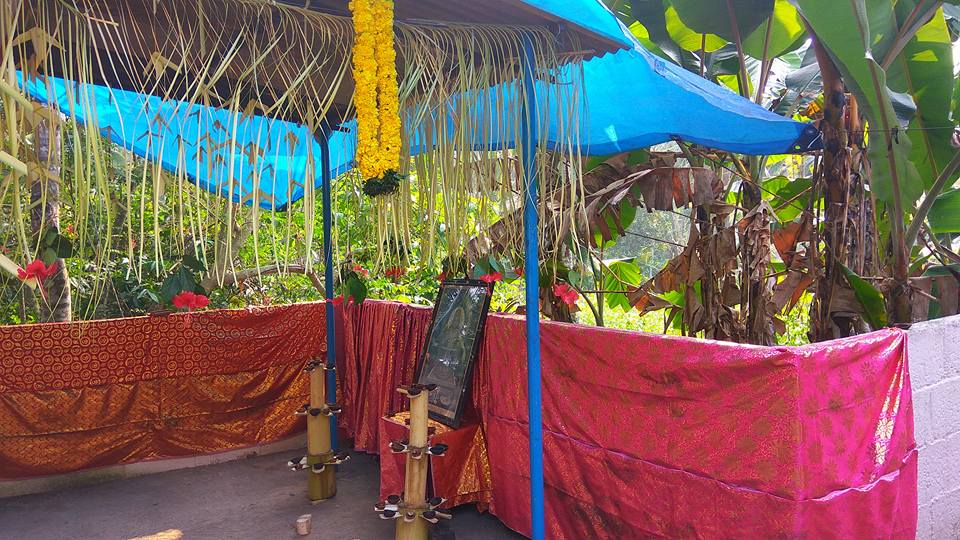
(324, 140)
(531, 256)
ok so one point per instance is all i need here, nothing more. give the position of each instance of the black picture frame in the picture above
(453, 341)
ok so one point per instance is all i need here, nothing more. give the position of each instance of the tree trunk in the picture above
(835, 184)
(45, 213)
(232, 236)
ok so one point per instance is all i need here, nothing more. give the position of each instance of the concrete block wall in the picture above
(934, 349)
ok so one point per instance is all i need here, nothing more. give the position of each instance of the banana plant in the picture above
(894, 58)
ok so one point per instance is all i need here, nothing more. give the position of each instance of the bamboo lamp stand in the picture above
(320, 461)
(413, 511)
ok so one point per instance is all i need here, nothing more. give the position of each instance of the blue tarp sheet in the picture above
(591, 15)
(633, 99)
(171, 132)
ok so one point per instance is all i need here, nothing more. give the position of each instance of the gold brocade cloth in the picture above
(91, 394)
(461, 475)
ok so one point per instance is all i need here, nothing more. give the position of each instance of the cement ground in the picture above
(255, 499)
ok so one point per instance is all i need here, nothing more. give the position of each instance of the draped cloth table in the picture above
(461, 475)
(661, 436)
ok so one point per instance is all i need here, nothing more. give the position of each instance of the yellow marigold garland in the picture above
(375, 97)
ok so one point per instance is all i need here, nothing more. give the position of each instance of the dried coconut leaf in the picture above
(694, 314)
(788, 290)
(755, 238)
(730, 294)
(786, 239)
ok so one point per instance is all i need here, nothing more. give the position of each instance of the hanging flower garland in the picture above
(376, 96)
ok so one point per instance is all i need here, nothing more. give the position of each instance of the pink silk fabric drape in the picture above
(656, 436)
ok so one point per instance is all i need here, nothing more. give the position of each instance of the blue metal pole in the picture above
(528, 138)
(324, 139)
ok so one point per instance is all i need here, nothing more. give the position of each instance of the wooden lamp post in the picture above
(320, 460)
(412, 510)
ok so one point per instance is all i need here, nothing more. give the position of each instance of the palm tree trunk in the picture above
(45, 213)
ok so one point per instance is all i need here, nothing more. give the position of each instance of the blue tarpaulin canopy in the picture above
(591, 16)
(171, 132)
(635, 99)
(631, 99)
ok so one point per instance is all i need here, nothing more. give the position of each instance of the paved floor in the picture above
(256, 499)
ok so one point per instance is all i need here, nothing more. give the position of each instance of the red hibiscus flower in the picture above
(337, 301)
(190, 301)
(183, 300)
(491, 277)
(361, 270)
(394, 273)
(37, 270)
(568, 294)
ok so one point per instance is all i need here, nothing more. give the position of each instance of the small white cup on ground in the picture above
(303, 524)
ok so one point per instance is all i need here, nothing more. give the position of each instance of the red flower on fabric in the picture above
(37, 270)
(337, 301)
(190, 301)
(361, 270)
(568, 294)
(491, 277)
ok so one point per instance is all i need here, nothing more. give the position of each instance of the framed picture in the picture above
(453, 340)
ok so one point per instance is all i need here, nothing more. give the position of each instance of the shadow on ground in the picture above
(255, 499)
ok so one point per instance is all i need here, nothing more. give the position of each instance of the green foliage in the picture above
(619, 277)
(870, 298)
(54, 245)
(924, 71)
(944, 216)
(788, 197)
(183, 279)
(786, 32)
(354, 289)
(712, 16)
(687, 38)
(797, 323)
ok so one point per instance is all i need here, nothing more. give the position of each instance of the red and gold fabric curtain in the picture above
(90, 394)
(382, 344)
(644, 435)
(656, 436)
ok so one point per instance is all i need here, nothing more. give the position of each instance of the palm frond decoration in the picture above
(204, 92)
